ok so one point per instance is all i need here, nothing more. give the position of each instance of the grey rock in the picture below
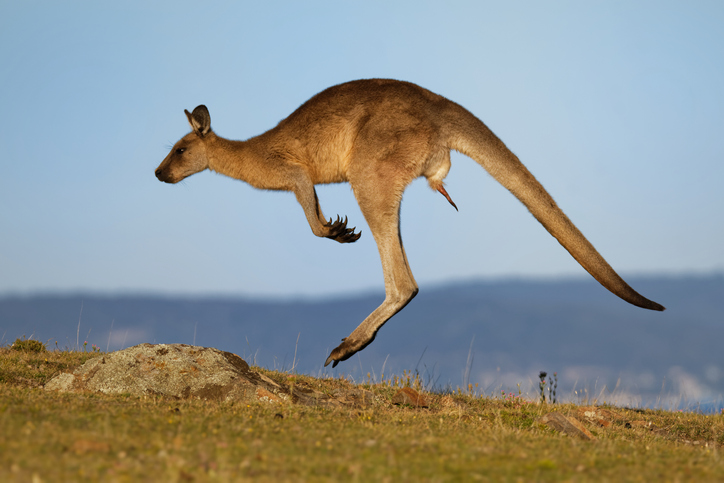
(180, 371)
(570, 426)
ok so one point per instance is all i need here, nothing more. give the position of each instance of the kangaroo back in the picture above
(472, 137)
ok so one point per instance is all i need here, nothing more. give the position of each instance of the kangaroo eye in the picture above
(180, 150)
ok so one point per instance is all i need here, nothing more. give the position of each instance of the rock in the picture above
(569, 426)
(602, 417)
(181, 371)
(407, 395)
(176, 371)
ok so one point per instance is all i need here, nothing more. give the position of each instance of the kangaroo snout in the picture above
(163, 175)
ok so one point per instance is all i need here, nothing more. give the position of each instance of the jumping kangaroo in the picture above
(378, 135)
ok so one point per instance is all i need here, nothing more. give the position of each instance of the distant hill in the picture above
(495, 333)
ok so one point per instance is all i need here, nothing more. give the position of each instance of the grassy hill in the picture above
(459, 437)
(496, 333)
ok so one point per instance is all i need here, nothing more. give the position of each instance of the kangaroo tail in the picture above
(472, 137)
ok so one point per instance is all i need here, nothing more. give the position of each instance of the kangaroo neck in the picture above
(241, 160)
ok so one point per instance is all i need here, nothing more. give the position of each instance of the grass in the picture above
(48, 437)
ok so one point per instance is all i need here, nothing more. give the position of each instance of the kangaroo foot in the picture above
(347, 349)
(338, 231)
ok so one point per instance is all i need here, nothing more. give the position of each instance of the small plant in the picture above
(28, 345)
(552, 387)
(542, 386)
(515, 401)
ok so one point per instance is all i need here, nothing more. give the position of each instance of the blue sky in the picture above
(616, 107)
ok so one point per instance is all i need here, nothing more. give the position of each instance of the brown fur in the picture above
(378, 135)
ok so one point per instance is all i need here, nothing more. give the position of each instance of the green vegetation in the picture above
(28, 345)
(69, 437)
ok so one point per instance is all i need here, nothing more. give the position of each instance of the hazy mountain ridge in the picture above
(516, 328)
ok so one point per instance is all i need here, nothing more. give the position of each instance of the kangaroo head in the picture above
(188, 156)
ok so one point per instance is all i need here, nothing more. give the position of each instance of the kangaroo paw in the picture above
(347, 349)
(338, 231)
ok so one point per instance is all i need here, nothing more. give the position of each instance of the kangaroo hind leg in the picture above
(381, 209)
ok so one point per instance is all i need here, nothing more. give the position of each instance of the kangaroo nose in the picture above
(158, 174)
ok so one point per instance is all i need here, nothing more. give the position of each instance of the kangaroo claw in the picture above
(338, 231)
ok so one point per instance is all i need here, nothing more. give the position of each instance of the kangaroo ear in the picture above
(200, 120)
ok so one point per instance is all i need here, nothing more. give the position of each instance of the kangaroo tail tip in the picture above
(651, 305)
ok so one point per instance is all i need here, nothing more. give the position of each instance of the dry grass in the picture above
(91, 437)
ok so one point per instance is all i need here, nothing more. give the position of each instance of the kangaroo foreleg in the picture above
(336, 230)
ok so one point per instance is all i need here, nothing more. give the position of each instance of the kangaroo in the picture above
(378, 135)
